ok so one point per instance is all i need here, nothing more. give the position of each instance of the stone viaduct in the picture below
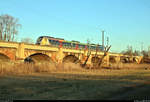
(13, 51)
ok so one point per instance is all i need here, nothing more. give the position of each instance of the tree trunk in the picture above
(1, 32)
(1, 36)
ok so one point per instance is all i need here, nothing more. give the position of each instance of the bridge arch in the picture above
(70, 58)
(112, 59)
(125, 59)
(95, 60)
(38, 58)
(137, 60)
(4, 58)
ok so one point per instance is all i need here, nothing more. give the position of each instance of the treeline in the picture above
(129, 51)
(9, 29)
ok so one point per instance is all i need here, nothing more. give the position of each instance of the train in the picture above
(59, 42)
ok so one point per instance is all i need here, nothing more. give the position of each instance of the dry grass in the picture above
(70, 81)
(29, 68)
(130, 66)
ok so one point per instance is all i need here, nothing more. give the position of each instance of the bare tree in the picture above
(8, 27)
(136, 53)
(129, 51)
(148, 51)
(144, 53)
(27, 40)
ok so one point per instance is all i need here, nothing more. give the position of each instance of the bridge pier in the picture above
(20, 52)
(138, 59)
(60, 56)
(106, 59)
(117, 59)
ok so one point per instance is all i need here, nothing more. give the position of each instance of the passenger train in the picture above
(58, 42)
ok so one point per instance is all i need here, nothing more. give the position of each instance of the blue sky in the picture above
(126, 22)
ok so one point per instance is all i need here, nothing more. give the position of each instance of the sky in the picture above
(125, 22)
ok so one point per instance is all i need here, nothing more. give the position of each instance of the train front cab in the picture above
(44, 41)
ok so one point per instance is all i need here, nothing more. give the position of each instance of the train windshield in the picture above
(39, 40)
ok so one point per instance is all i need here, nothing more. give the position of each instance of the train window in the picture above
(57, 42)
(69, 45)
(73, 45)
(93, 47)
(101, 48)
(89, 46)
(39, 39)
(65, 44)
(54, 43)
(38, 43)
(50, 41)
(81, 46)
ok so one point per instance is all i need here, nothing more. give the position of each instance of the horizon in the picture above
(124, 22)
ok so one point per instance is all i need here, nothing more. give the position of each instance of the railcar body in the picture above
(59, 42)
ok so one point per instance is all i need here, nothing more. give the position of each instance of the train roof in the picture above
(92, 44)
(75, 41)
(46, 37)
(51, 37)
(59, 38)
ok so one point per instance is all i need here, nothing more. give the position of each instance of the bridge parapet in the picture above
(73, 50)
(40, 47)
(9, 44)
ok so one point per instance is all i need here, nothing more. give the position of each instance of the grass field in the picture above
(73, 83)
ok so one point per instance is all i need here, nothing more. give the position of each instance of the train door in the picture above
(60, 44)
(77, 46)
